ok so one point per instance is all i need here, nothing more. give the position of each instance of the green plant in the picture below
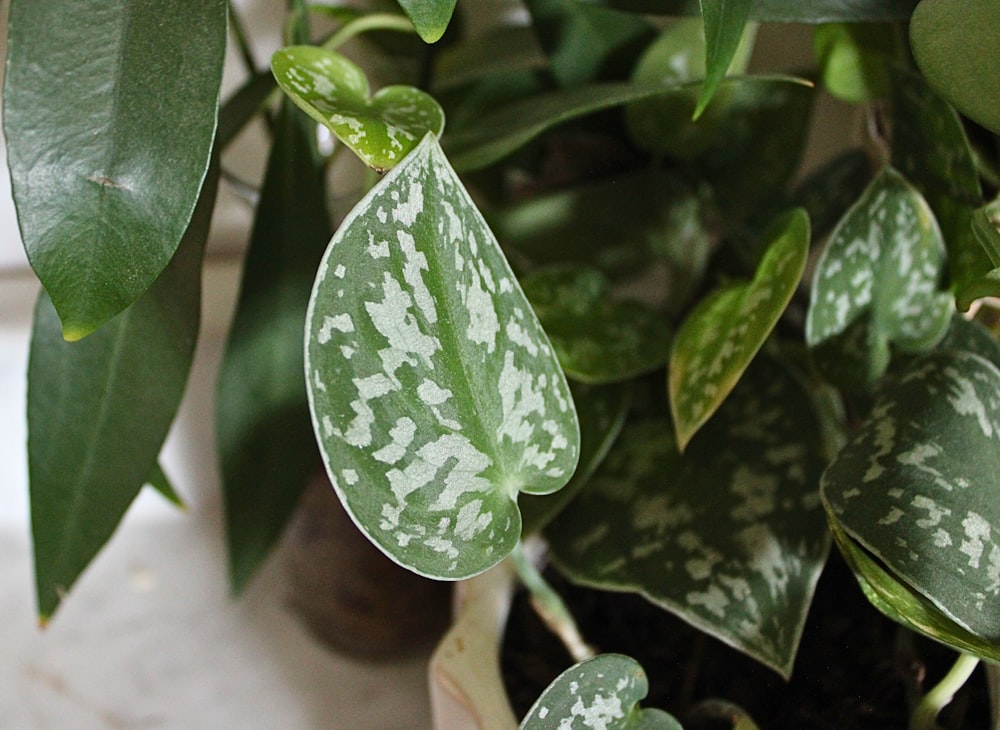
(698, 443)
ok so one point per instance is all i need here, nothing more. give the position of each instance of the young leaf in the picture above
(876, 285)
(930, 147)
(597, 339)
(109, 113)
(602, 692)
(264, 432)
(435, 395)
(956, 44)
(429, 17)
(99, 410)
(380, 129)
(732, 539)
(724, 23)
(919, 487)
(723, 334)
(852, 59)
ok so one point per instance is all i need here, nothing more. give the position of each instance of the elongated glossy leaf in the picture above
(783, 11)
(429, 17)
(918, 487)
(435, 394)
(381, 128)
(159, 481)
(503, 50)
(723, 334)
(263, 427)
(601, 410)
(730, 539)
(109, 113)
(585, 43)
(956, 44)
(930, 148)
(99, 410)
(876, 285)
(602, 692)
(724, 23)
(597, 339)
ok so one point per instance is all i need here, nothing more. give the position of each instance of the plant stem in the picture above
(372, 21)
(926, 711)
(550, 606)
(242, 41)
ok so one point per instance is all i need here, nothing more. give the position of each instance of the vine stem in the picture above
(926, 712)
(242, 39)
(550, 606)
(372, 21)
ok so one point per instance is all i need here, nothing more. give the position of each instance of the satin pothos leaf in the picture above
(918, 488)
(435, 395)
(725, 331)
(601, 692)
(381, 128)
(598, 339)
(732, 540)
(876, 285)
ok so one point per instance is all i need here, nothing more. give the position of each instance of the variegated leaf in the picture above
(380, 129)
(730, 539)
(876, 285)
(721, 336)
(435, 395)
(602, 692)
(918, 487)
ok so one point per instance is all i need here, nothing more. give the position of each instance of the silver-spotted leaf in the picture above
(876, 285)
(918, 486)
(435, 395)
(597, 339)
(602, 692)
(721, 336)
(730, 539)
(986, 228)
(381, 128)
(956, 44)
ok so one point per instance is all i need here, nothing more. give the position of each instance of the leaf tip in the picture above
(43, 621)
(75, 332)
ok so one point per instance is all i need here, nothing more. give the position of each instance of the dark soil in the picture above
(852, 672)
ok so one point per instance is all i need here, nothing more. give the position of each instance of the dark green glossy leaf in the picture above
(852, 59)
(930, 148)
(918, 487)
(99, 410)
(263, 427)
(722, 335)
(956, 44)
(783, 11)
(601, 410)
(730, 539)
(429, 17)
(876, 285)
(724, 21)
(585, 43)
(380, 129)
(503, 50)
(602, 692)
(159, 481)
(109, 114)
(971, 336)
(598, 339)
(435, 395)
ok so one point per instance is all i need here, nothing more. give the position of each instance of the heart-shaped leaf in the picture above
(876, 284)
(109, 112)
(597, 339)
(721, 336)
(435, 395)
(956, 44)
(429, 17)
(918, 487)
(602, 692)
(380, 129)
(730, 539)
